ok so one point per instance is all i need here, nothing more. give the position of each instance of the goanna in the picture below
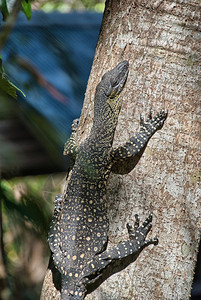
(78, 232)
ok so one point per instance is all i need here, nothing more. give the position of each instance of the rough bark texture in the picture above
(161, 40)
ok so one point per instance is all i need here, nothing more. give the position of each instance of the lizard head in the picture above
(107, 97)
(115, 79)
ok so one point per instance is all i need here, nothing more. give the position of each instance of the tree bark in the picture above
(161, 40)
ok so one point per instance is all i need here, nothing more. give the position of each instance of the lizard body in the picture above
(78, 232)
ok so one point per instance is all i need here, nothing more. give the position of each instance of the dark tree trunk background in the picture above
(162, 42)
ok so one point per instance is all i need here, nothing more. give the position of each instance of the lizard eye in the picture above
(109, 90)
(114, 82)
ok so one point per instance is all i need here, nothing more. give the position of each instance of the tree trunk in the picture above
(161, 40)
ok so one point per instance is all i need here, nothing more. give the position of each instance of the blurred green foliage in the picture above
(26, 203)
(26, 8)
(7, 87)
(9, 10)
(68, 5)
(26, 212)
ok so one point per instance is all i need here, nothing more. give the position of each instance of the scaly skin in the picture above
(78, 232)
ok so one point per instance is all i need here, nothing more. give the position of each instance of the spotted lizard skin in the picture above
(78, 231)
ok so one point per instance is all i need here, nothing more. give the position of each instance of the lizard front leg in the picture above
(70, 147)
(140, 139)
(136, 243)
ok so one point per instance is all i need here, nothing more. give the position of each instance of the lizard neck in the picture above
(103, 135)
(105, 122)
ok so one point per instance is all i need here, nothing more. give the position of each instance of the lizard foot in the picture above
(74, 125)
(123, 251)
(139, 233)
(155, 123)
(70, 147)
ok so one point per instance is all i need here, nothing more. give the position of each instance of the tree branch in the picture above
(8, 26)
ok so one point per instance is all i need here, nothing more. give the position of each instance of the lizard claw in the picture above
(150, 114)
(140, 231)
(141, 120)
(74, 125)
(153, 241)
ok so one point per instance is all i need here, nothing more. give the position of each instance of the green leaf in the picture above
(4, 9)
(7, 5)
(7, 87)
(26, 8)
(18, 89)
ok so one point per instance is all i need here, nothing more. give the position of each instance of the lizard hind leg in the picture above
(53, 236)
(123, 251)
(137, 240)
(54, 232)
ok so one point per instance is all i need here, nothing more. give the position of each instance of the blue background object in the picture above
(49, 58)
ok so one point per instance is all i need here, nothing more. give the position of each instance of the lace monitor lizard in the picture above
(78, 231)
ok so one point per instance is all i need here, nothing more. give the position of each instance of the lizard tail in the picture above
(72, 291)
